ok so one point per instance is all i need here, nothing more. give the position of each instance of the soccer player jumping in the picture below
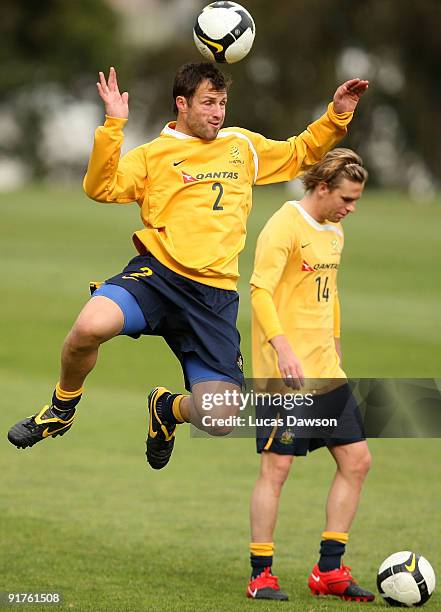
(193, 185)
(296, 337)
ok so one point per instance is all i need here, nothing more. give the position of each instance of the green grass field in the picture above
(83, 515)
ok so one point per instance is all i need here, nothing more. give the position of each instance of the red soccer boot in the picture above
(337, 582)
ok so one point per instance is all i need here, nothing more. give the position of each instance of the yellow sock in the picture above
(66, 396)
(338, 536)
(332, 548)
(176, 408)
(262, 549)
(261, 557)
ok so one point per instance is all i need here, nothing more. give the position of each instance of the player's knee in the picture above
(220, 430)
(100, 320)
(218, 421)
(361, 466)
(366, 463)
(87, 332)
(275, 469)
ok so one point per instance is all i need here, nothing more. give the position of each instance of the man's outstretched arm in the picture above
(322, 135)
(109, 178)
(284, 160)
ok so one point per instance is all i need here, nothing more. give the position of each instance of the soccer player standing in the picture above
(193, 185)
(296, 337)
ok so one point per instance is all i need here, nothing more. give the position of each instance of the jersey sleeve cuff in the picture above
(272, 333)
(115, 122)
(340, 119)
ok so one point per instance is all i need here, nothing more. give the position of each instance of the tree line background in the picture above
(52, 50)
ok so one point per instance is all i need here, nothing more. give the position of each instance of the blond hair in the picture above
(335, 166)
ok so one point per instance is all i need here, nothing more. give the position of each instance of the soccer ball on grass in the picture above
(406, 579)
(224, 32)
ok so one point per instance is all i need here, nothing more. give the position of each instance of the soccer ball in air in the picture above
(224, 32)
(406, 579)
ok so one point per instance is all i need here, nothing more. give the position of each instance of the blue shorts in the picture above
(197, 321)
(291, 440)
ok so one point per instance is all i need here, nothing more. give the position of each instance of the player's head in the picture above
(336, 183)
(200, 98)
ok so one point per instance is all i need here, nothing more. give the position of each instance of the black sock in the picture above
(164, 408)
(258, 564)
(62, 406)
(331, 552)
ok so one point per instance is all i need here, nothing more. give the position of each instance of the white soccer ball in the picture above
(224, 32)
(406, 579)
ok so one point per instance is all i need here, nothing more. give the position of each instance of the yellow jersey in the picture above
(195, 195)
(296, 263)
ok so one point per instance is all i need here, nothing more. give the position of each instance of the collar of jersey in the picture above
(171, 131)
(321, 227)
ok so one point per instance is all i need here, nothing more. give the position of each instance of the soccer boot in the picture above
(161, 436)
(265, 586)
(338, 582)
(44, 424)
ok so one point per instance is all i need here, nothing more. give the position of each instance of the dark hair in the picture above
(336, 165)
(190, 76)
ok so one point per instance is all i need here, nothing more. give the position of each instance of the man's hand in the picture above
(289, 365)
(347, 95)
(115, 104)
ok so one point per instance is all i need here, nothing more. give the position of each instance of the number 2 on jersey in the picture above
(216, 205)
(322, 292)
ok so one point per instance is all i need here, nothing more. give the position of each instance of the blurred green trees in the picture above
(50, 49)
(303, 49)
